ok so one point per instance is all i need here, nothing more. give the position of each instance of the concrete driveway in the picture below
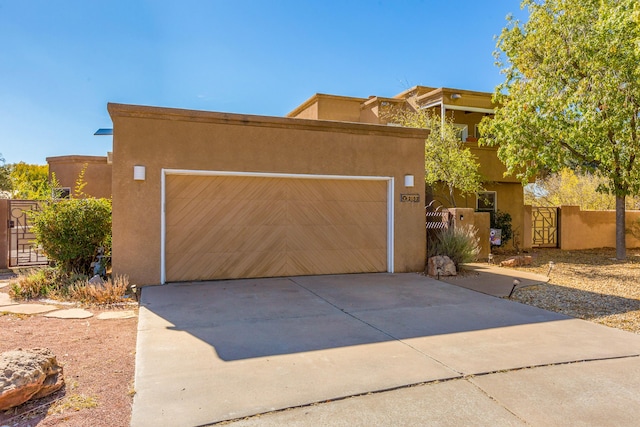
(343, 350)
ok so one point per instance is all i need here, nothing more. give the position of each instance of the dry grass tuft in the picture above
(111, 292)
(75, 402)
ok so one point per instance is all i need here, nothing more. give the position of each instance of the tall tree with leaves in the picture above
(571, 94)
(5, 176)
(30, 182)
(446, 159)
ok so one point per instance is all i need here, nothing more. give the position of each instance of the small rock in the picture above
(28, 374)
(97, 281)
(516, 261)
(442, 262)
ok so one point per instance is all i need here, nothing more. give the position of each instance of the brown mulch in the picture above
(587, 284)
(98, 357)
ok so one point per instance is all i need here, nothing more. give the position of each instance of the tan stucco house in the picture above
(331, 188)
(467, 108)
(204, 195)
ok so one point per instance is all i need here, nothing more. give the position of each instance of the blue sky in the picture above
(62, 61)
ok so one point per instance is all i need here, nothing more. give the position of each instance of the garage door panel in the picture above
(249, 239)
(234, 227)
(217, 265)
(337, 212)
(336, 261)
(348, 190)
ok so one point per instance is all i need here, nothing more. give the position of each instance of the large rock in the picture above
(28, 374)
(443, 263)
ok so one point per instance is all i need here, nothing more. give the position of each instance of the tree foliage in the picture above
(571, 95)
(567, 188)
(5, 176)
(446, 159)
(71, 231)
(30, 182)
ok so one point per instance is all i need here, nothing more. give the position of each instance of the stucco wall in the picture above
(160, 138)
(4, 234)
(509, 198)
(97, 174)
(481, 221)
(593, 229)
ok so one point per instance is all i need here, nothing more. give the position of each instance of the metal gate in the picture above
(545, 227)
(23, 251)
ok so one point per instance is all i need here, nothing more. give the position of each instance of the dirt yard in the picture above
(589, 284)
(98, 357)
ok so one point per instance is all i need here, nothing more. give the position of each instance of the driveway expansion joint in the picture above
(376, 328)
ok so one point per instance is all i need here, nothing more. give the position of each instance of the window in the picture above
(61, 192)
(464, 131)
(486, 201)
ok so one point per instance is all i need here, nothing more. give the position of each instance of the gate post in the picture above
(4, 234)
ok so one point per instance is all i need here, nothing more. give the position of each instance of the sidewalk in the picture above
(493, 280)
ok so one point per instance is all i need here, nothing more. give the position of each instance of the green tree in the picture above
(567, 188)
(446, 159)
(571, 95)
(30, 182)
(5, 176)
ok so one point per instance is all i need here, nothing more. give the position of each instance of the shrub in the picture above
(49, 282)
(35, 284)
(502, 220)
(110, 292)
(458, 243)
(70, 232)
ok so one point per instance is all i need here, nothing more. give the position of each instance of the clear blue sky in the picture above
(62, 61)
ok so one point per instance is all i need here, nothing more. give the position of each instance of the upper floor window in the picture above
(486, 201)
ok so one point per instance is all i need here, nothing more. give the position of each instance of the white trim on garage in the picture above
(165, 172)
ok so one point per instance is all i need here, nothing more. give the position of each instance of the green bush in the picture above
(502, 220)
(70, 232)
(460, 244)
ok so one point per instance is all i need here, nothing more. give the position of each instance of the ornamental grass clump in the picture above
(111, 291)
(460, 244)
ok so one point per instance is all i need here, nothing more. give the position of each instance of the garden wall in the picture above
(594, 229)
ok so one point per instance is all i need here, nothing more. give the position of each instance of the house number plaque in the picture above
(410, 198)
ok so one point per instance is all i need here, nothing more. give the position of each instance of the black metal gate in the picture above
(545, 227)
(23, 251)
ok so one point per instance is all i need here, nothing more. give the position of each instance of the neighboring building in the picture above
(97, 174)
(467, 108)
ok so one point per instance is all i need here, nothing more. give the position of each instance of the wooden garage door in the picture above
(220, 227)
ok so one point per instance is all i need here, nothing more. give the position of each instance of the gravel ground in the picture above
(588, 284)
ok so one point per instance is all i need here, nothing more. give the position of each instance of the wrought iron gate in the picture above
(23, 251)
(545, 227)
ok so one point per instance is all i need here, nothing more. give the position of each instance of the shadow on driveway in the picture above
(244, 319)
(215, 351)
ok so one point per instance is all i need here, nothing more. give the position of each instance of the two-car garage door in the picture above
(220, 227)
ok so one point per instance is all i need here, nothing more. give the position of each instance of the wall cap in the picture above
(162, 113)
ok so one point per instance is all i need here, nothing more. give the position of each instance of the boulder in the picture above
(28, 374)
(516, 261)
(97, 282)
(442, 262)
